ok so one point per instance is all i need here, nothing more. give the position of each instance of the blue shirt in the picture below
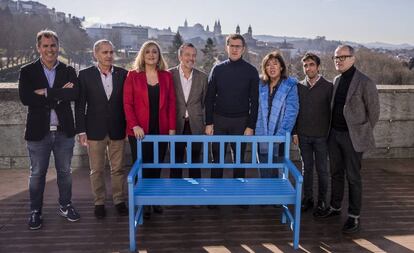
(50, 76)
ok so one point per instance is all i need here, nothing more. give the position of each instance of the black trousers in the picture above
(148, 156)
(314, 152)
(228, 126)
(344, 160)
(180, 153)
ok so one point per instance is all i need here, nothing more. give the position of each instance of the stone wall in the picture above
(394, 133)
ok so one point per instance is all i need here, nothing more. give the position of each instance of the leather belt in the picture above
(55, 128)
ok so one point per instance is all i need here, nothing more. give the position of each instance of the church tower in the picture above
(238, 29)
(249, 31)
(217, 28)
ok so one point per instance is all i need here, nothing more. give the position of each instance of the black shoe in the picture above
(212, 207)
(99, 212)
(245, 207)
(69, 212)
(158, 209)
(328, 212)
(35, 221)
(121, 209)
(307, 204)
(352, 225)
(147, 212)
(320, 209)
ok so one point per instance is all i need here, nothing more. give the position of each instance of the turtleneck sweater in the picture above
(233, 91)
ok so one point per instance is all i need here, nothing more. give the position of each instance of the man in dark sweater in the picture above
(311, 130)
(232, 99)
(355, 111)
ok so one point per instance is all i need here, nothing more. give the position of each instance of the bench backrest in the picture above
(221, 140)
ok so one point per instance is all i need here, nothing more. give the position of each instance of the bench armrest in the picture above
(136, 171)
(294, 171)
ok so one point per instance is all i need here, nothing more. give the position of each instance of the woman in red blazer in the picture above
(149, 102)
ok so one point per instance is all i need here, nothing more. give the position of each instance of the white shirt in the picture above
(313, 84)
(107, 82)
(186, 85)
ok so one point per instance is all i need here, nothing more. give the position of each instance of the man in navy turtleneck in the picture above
(232, 99)
(355, 111)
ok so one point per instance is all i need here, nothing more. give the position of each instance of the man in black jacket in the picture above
(312, 127)
(47, 86)
(100, 123)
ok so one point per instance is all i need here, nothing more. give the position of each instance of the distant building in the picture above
(97, 33)
(191, 32)
(36, 8)
(124, 37)
(130, 37)
(248, 37)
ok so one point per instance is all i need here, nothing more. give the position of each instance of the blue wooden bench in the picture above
(208, 191)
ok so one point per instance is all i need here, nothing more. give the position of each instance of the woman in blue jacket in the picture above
(278, 105)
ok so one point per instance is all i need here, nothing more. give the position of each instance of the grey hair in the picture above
(350, 49)
(98, 44)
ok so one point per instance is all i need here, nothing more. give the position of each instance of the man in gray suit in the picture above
(190, 89)
(355, 111)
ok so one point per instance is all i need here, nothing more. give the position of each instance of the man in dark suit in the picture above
(190, 90)
(355, 111)
(100, 123)
(47, 86)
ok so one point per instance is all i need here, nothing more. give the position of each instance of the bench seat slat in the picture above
(214, 191)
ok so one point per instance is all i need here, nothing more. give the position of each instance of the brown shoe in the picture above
(100, 212)
(121, 209)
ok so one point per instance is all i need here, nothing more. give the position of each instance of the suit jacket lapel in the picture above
(99, 83)
(193, 87)
(59, 76)
(115, 83)
(352, 86)
(177, 83)
(335, 87)
(43, 79)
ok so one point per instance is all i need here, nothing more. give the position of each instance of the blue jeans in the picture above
(39, 152)
(278, 150)
(314, 151)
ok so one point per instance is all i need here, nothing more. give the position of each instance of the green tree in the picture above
(210, 55)
(173, 50)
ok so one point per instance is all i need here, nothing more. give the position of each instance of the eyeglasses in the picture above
(341, 57)
(238, 47)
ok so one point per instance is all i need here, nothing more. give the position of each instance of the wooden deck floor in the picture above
(387, 223)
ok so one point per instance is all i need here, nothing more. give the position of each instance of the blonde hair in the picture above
(139, 64)
(278, 57)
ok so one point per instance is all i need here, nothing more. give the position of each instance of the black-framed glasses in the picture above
(341, 57)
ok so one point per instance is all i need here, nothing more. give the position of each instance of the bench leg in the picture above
(140, 211)
(132, 229)
(284, 218)
(296, 226)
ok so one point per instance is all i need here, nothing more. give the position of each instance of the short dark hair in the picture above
(313, 57)
(235, 36)
(47, 34)
(276, 55)
(184, 45)
(350, 48)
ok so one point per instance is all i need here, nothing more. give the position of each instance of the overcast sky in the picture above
(348, 20)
